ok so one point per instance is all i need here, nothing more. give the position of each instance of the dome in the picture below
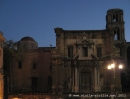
(27, 38)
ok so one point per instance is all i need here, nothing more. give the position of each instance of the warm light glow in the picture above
(113, 65)
(109, 67)
(120, 66)
(15, 98)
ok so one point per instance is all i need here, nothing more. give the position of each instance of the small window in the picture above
(19, 65)
(114, 18)
(85, 51)
(34, 66)
(99, 52)
(70, 51)
(116, 34)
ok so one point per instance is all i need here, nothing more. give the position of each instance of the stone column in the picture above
(73, 79)
(76, 80)
(97, 79)
(95, 72)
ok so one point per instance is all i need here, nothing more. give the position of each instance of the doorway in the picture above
(85, 82)
(34, 84)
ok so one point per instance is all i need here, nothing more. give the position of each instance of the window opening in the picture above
(99, 52)
(34, 66)
(85, 51)
(116, 34)
(114, 18)
(49, 83)
(34, 84)
(19, 65)
(70, 51)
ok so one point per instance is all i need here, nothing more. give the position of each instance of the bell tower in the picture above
(2, 39)
(115, 23)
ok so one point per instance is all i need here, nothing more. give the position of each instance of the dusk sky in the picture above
(38, 18)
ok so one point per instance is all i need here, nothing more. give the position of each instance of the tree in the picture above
(10, 54)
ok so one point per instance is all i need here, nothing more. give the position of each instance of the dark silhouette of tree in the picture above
(10, 54)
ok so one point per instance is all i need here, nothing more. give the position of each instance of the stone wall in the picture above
(21, 78)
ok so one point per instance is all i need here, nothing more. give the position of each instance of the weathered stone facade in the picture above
(33, 73)
(81, 57)
(78, 63)
(2, 39)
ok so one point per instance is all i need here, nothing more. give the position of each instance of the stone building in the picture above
(81, 58)
(33, 73)
(2, 39)
(81, 62)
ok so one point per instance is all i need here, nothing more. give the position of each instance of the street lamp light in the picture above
(109, 67)
(113, 66)
(120, 66)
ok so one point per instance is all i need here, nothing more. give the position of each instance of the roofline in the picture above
(60, 29)
(46, 47)
(84, 30)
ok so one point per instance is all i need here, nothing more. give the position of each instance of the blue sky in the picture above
(38, 18)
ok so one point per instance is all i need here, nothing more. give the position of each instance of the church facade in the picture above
(82, 59)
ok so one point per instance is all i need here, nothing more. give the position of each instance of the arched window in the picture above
(34, 66)
(19, 65)
(85, 51)
(115, 18)
(116, 34)
(70, 51)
